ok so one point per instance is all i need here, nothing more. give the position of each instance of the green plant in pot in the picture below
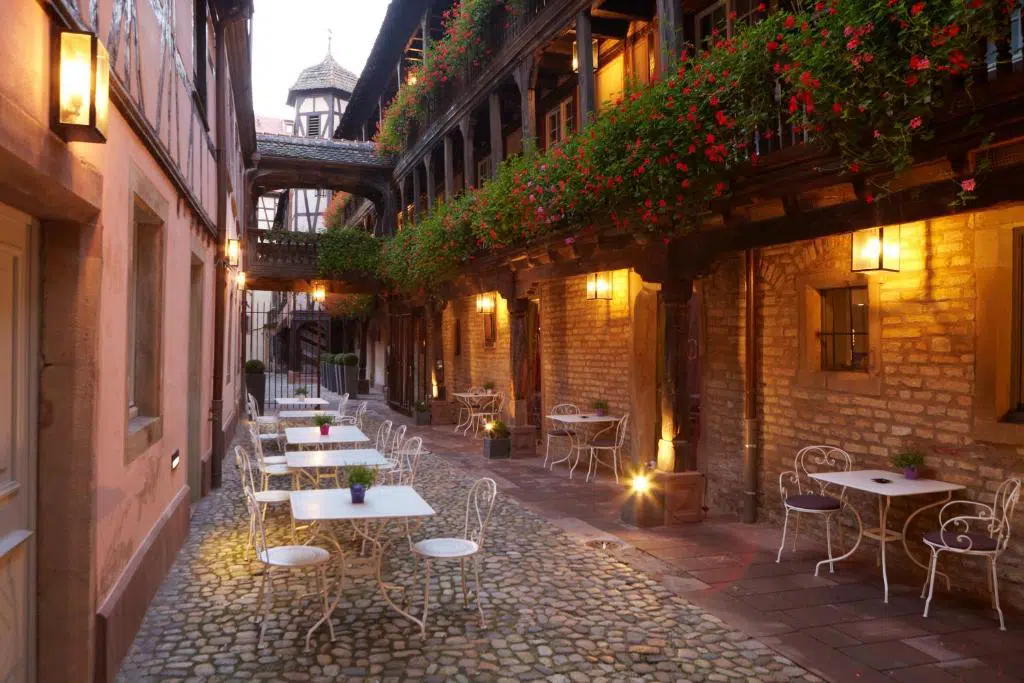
(497, 440)
(324, 422)
(349, 363)
(910, 460)
(489, 387)
(301, 392)
(422, 410)
(360, 478)
(600, 408)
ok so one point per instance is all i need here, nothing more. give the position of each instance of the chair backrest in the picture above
(244, 469)
(621, 430)
(259, 535)
(252, 405)
(817, 459)
(409, 460)
(397, 439)
(361, 414)
(342, 403)
(479, 505)
(475, 390)
(1005, 502)
(565, 409)
(383, 432)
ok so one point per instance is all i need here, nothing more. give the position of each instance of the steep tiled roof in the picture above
(327, 75)
(319, 149)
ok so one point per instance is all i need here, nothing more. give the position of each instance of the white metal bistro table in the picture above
(370, 457)
(471, 400)
(297, 401)
(311, 436)
(575, 422)
(307, 414)
(886, 485)
(384, 504)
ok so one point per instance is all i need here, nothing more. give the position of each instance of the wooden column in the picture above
(416, 194)
(675, 452)
(525, 74)
(428, 164)
(497, 137)
(401, 198)
(519, 346)
(585, 55)
(670, 32)
(449, 168)
(468, 153)
(425, 34)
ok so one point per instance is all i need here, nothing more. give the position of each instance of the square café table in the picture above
(885, 485)
(296, 401)
(370, 457)
(384, 504)
(311, 436)
(306, 414)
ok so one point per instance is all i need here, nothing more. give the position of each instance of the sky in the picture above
(289, 35)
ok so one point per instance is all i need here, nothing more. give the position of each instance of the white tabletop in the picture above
(370, 457)
(897, 485)
(473, 395)
(303, 436)
(382, 502)
(306, 414)
(583, 418)
(298, 401)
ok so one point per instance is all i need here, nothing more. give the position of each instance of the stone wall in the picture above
(921, 390)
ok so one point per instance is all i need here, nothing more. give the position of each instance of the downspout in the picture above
(751, 424)
(220, 288)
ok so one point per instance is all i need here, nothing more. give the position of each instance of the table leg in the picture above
(883, 514)
(906, 525)
(860, 536)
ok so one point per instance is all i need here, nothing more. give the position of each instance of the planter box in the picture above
(498, 449)
(364, 386)
(350, 380)
(422, 418)
(256, 384)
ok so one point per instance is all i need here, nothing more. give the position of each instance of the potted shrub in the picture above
(255, 381)
(324, 422)
(360, 478)
(422, 410)
(910, 460)
(349, 363)
(497, 441)
(489, 387)
(327, 377)
(301, 392)
(600, 408)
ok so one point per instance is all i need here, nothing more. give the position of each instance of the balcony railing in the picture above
(280, 255)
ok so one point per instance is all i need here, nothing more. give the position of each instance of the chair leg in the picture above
(828, 540)
(615, 464)
(462, 577)
(426, 595)
(782, 546)
(547, 451)
(259, 596)
(479, 592)
(574, 449)
(931, 581)
(796, 530)
(321, 575)
(268, 600)
(995, 593)
(592, 466)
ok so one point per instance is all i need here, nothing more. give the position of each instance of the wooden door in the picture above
(195, 383)
(18, 322)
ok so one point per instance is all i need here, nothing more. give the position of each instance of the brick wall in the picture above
(476, 364)
(924, 394)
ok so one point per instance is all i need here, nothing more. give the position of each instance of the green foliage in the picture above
(254, 367)
(496, 430)
(422, 407)
(322, 420)
(864, 79)
(346, 250)
(350, 305)
(326, 357)
(361, 474)
(301, 391)
(909, 458)
(489, 385)
(600, 405)
(346, 359)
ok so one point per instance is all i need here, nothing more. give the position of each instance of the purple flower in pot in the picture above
(910, 461)
(360, 478)
(600, 408)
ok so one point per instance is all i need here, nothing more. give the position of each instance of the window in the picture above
(707, 21)
(560, 121)
(199, 18)
(483, 170)
(844, 329)
(145, 321)
(1016, 413)
(313, 126)
(490, 329)
(289, 127)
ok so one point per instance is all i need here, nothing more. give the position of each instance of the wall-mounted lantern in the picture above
(875, 249)
(576, 57)
(485, 303)
(233, 251)
(599, 286)
(410, 79)
(240, 279)
(80, 87)
(319, 292)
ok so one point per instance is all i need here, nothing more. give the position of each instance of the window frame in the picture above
(565, 112)
(851, 328)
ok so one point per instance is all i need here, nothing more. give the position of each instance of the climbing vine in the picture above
(347, 251)
(864, 78)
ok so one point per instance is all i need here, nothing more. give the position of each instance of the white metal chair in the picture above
(383, 432)
(286, 557)
(265, 497)
(560, 432)
(342, 404)
(257, 447)
(814, 497)
(407, 462)
(357, 419)
(612, 443)
(982, 531)
(392, 449)
(268, 427)
(487, 411)
(271, 466)
(479, 505)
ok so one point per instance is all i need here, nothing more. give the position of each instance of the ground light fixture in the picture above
(875, 249)
(233, 251)
(641, 483)
(80, 87)
(599, 286)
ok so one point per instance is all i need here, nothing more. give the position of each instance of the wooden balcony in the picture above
(280, 261)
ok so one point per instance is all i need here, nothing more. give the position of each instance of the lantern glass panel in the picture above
(75, 78)
(102, 88)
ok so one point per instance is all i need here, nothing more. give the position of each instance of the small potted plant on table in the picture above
(489, 387)
(301, 392)
(910, 460)
(324, 422)
(422, 413)
(497, 441)
(360, 478)
(600, 408)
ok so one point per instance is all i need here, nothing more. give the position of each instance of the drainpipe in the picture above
(751, 423)
(220, 288)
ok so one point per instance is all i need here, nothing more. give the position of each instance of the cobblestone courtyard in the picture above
(557, 610)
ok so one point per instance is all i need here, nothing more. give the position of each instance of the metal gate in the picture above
(290, 342)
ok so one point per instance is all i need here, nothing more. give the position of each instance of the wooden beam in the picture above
(585, 55)
(449, 168)
(428, 163)
(610, 28)
(417, 192)
(497, 137)
(468, 152)
(525, 75)
(670, 32)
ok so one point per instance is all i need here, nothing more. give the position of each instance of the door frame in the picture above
(194, 408)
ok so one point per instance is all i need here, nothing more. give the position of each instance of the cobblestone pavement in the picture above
(557, 610)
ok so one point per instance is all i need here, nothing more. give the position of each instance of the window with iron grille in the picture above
(844, 329)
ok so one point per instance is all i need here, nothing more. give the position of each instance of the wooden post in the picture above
(674, 449)
(425, 34)
(519, 355)
(497, 137)
(428, 163)
(585, 55)
(525, 74)
(417, 207)
(449, 168)
(401, 198)
(670, 32)
(468, 153)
